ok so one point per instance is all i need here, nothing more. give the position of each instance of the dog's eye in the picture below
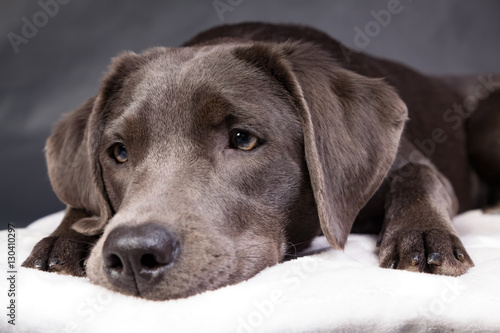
(243, 140)
(120, 153)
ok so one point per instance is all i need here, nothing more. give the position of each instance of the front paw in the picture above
(431, 251)
(64, 255)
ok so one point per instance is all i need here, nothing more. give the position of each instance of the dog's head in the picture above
(203, 165)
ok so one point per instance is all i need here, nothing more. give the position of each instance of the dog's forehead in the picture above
(178, 72)
(200, 86)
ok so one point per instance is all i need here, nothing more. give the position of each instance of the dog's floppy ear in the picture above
(70, 174)
(351, 126)
(72, 150)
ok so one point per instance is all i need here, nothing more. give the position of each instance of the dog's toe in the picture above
(38, 257)
(446, 254)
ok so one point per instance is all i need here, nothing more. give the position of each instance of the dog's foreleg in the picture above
(417, 233)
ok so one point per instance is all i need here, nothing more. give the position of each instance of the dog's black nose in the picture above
(136, 258)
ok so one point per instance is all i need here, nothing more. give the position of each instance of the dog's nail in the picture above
(38, 264)
(434, 259)
(459, 255)
(54, 262)
(85, 262)
(391, 264)
(415, 258)
(379, 241)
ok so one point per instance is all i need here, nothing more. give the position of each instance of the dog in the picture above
(197, 167)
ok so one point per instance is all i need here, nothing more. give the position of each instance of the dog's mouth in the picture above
(151, 262)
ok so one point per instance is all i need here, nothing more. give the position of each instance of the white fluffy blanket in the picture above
(326, 292)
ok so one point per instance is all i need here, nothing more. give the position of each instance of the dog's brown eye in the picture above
(243, 140)
(120, 153)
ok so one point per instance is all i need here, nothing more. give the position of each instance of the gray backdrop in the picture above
(53, 55)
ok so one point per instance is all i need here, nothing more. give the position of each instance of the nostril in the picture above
(149, 261)
(113, 261)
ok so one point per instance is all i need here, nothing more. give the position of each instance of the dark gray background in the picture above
(61, 65)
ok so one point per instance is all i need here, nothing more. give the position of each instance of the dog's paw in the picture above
(431, 251)
(63, 255)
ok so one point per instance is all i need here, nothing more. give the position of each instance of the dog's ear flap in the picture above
(351, 127)
(69, 169)
(72, 150)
